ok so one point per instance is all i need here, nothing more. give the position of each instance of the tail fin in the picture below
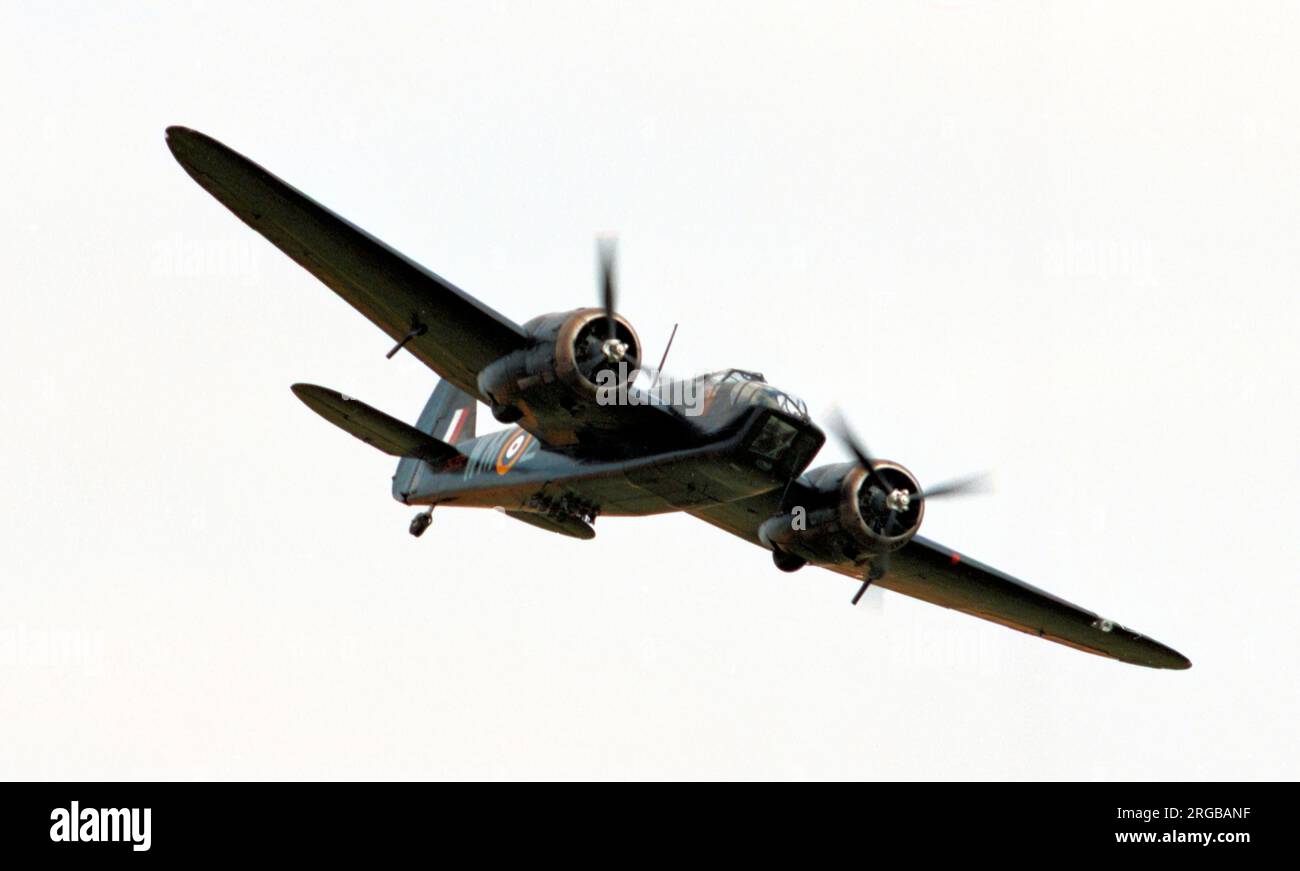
(450, 415)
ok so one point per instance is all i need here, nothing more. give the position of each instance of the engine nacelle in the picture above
(580, 352)
(851, 518)
(560, 370)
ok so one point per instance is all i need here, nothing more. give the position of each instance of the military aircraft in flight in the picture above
(594, 430)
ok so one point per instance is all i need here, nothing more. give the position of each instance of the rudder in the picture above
(450, 415)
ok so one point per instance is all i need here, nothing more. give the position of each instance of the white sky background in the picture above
(1059, 243)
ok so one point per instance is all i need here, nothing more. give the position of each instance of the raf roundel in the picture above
(511, 451)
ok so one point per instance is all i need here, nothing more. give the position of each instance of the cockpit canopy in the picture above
(752, 388)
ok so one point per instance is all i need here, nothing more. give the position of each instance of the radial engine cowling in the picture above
(584, 350)
(570, 355)
(852, 517)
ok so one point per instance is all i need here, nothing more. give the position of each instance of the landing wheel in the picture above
(507, 413)
(420, 522)
(788, 562)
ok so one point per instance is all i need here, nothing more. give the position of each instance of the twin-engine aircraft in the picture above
(593, 430)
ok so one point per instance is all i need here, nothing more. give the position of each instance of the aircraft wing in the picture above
(457, 335)
(927, 570)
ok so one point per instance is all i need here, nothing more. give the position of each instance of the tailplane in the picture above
(373, 427)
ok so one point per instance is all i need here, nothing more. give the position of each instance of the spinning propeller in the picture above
(603, 343)
(887, 501)
(611, 348)
(603, 346)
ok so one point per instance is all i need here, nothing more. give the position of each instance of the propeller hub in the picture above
(898, 500)
(614, 350)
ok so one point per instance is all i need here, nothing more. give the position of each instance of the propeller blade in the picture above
(859, 450)
(956, 487)
(607, 255)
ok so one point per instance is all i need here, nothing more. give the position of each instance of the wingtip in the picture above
(190, 147)
(1166, 657)
(1170, 658)
(176, 134)
(181, 140)
(305, 391)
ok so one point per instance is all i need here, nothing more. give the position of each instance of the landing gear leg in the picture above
(421, 521)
